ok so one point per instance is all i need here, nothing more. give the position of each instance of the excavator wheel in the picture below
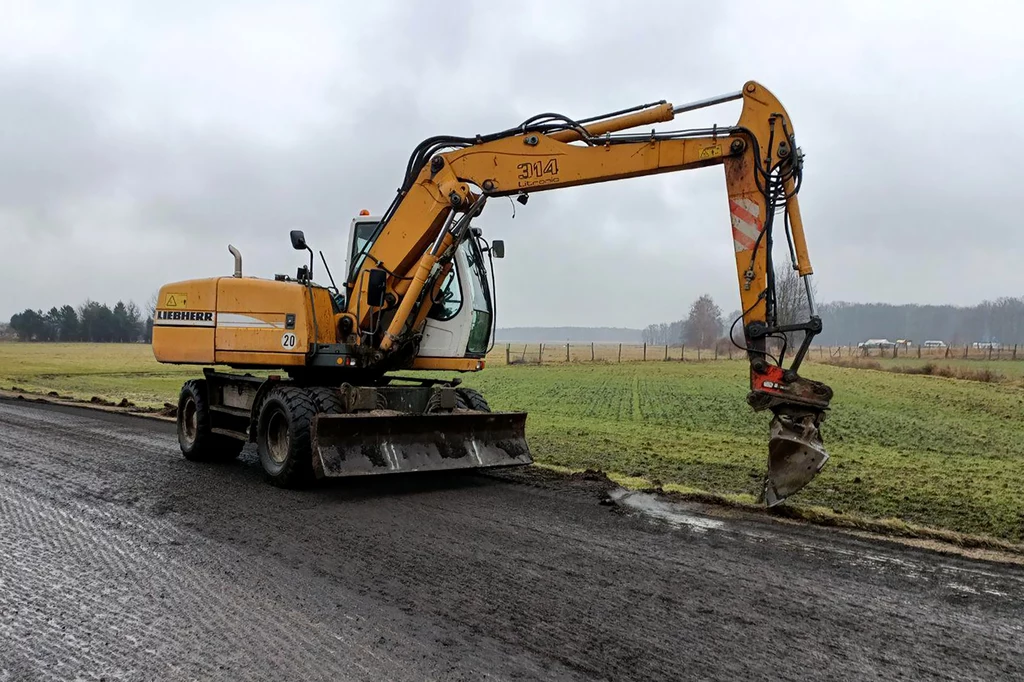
(328, 400)
(283, 436)
(197, 442)
(471, 399)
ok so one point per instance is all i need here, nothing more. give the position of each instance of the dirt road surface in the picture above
(119, 560)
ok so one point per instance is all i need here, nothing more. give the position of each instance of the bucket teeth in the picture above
(380, 443)
(795, 456)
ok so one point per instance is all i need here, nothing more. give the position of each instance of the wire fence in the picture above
(561, 353)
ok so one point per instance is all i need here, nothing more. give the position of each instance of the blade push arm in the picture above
(450, 179)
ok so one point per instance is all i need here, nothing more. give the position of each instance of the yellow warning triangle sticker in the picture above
(170, 301)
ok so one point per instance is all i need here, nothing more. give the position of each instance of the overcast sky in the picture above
(137, 139)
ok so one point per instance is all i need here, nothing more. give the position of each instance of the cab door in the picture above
(447, 327)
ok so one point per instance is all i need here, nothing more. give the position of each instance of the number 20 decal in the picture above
(288, 341)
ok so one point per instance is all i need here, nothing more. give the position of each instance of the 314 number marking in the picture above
(541, 172)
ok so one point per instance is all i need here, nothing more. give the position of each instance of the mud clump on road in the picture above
(590, 482)
(591, 475)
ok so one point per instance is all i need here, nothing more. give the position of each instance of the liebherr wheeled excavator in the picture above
(416, 295)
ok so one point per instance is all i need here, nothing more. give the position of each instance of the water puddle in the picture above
(674, 514)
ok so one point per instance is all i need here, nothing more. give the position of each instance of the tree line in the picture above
(91, 321)
(999, 321)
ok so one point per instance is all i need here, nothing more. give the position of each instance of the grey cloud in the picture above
(132, 155)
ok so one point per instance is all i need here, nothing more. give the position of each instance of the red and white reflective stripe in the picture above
(745, 223)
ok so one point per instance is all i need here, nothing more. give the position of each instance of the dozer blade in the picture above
(795, 456)
(389, 442)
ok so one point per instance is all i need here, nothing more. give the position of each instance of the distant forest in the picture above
(568, 335)
(999, 321)
(91, 321)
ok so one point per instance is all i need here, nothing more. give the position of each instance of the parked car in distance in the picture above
(876, 343)
(934, 344)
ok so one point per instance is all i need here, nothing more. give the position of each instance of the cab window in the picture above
(360, 245)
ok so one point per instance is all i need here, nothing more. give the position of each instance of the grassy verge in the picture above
(923, 450)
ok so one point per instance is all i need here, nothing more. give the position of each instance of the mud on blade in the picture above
(388, 442)
(795, 456)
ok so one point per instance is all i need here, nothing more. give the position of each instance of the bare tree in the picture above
(791, 300)
(147, 331)
(704, 325)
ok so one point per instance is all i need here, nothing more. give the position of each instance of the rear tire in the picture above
(197, 442)
(283, 436)
(471, 399)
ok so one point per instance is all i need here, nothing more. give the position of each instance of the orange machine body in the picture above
(240, 321)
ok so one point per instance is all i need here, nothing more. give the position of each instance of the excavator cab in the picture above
(460, 323)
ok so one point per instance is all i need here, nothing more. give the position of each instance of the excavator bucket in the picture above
(384, 442)
(795, 456)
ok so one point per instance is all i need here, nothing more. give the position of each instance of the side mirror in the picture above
(298, 240)
(498, 248)
(376, 287)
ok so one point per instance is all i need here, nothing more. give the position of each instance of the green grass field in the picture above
(939, 452)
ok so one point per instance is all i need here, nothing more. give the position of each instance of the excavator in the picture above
(329, 398)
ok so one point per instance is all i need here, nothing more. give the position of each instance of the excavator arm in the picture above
(449, 180)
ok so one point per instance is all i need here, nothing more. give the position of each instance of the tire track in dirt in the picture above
(174, 605)
(506, 576)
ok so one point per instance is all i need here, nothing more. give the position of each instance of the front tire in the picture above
(195, 438)
(471, 399)
(283, 436)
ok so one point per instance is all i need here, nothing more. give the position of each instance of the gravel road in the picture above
(119, 560)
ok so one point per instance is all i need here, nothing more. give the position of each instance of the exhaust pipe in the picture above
(238, 260)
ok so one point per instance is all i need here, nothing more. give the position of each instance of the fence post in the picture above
(682, 353)
(645, 351)
(1014, 352)
(698, 351)
(666, 351)
(591, 351)
(716, 351)
(965, 349)
(918, 350)
(821, 351)
(540, 356)
(947, 352)
(620, 352)
(730, 350)
(508, 353)
(567, 352)
(894, 348)
(990, 351)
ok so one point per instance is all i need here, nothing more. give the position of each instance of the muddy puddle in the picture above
(674, 514)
